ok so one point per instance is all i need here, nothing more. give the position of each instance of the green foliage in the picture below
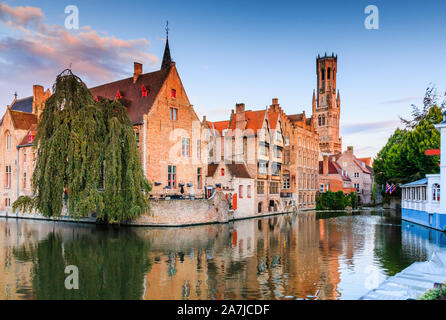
(336, 200)
(89, 149)
(434, 294)
(24, 204)
(403, 158)
(353, 200)
(331, 201)
(374, 192)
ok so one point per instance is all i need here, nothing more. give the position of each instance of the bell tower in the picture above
(327, 105)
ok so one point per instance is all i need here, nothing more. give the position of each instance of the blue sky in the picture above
(240, 51)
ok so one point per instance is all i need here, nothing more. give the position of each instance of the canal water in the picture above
(294, 256)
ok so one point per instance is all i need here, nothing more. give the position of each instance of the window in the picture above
(7, 202)
(277, 152)
(287, 141)
(137, 139)
(436, 192)
(322, 189)
(275, 169)
(24, 180)
(263, 150)
(173, 93)
(260, 187)
(24, 156)
(286, 181)
(198, 149)
(240, 192)
(278, 136)
(248, 191)
(222, 171)
(423, 193)
(274, 188)
(356, 174)
(8, 177)
(185, 147)
(31, 138)
(199, 178)
(323, 74)
(172, 177)
(144, 91)
(173, 114)
(357, 187)
(263, 168)
(328, 73)
(8, 141)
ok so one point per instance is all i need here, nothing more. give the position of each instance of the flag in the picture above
(387, 187)
(392, 188)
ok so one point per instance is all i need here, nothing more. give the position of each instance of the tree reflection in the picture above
(111, 264)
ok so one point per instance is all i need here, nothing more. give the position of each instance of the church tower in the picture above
(327, 105)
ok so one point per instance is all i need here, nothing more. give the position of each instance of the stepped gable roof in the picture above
(32, 131)
(273, 116)
(24, 105)
(23, 120)
(132, 98)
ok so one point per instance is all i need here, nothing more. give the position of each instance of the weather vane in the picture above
(167, 29)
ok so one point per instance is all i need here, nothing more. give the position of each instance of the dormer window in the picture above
(173, 93)
(118, 95)
(144, 91)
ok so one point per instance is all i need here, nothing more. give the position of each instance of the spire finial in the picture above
(167, 60)
(15, 95)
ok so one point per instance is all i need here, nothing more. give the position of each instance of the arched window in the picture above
(328, 73)
(323, 74)
(319, 121)
(436, 192)
(323, 120)
(240, 191)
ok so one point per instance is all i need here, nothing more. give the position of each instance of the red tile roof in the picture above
(219, 125)
(23, 120)
(367, 161)
(235, 169)
(254, 120)
(133, 99)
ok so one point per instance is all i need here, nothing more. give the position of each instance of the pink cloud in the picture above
(38, 52)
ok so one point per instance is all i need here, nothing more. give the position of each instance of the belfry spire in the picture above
(167, 60)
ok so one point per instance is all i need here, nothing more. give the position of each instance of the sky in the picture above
(229, 52)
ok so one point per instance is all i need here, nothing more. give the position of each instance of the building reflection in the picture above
(296, 256)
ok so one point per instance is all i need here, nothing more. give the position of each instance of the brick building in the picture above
(17, 131)
(168, 131)
(280, 152)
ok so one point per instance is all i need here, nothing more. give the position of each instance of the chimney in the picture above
(240, 116)
(325, 166)
(350, 149)
(137, 71)
(38, 99)
(204, 118)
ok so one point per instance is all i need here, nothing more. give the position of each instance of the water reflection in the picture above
(296, 256)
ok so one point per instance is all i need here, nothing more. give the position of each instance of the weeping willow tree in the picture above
(87, 154)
